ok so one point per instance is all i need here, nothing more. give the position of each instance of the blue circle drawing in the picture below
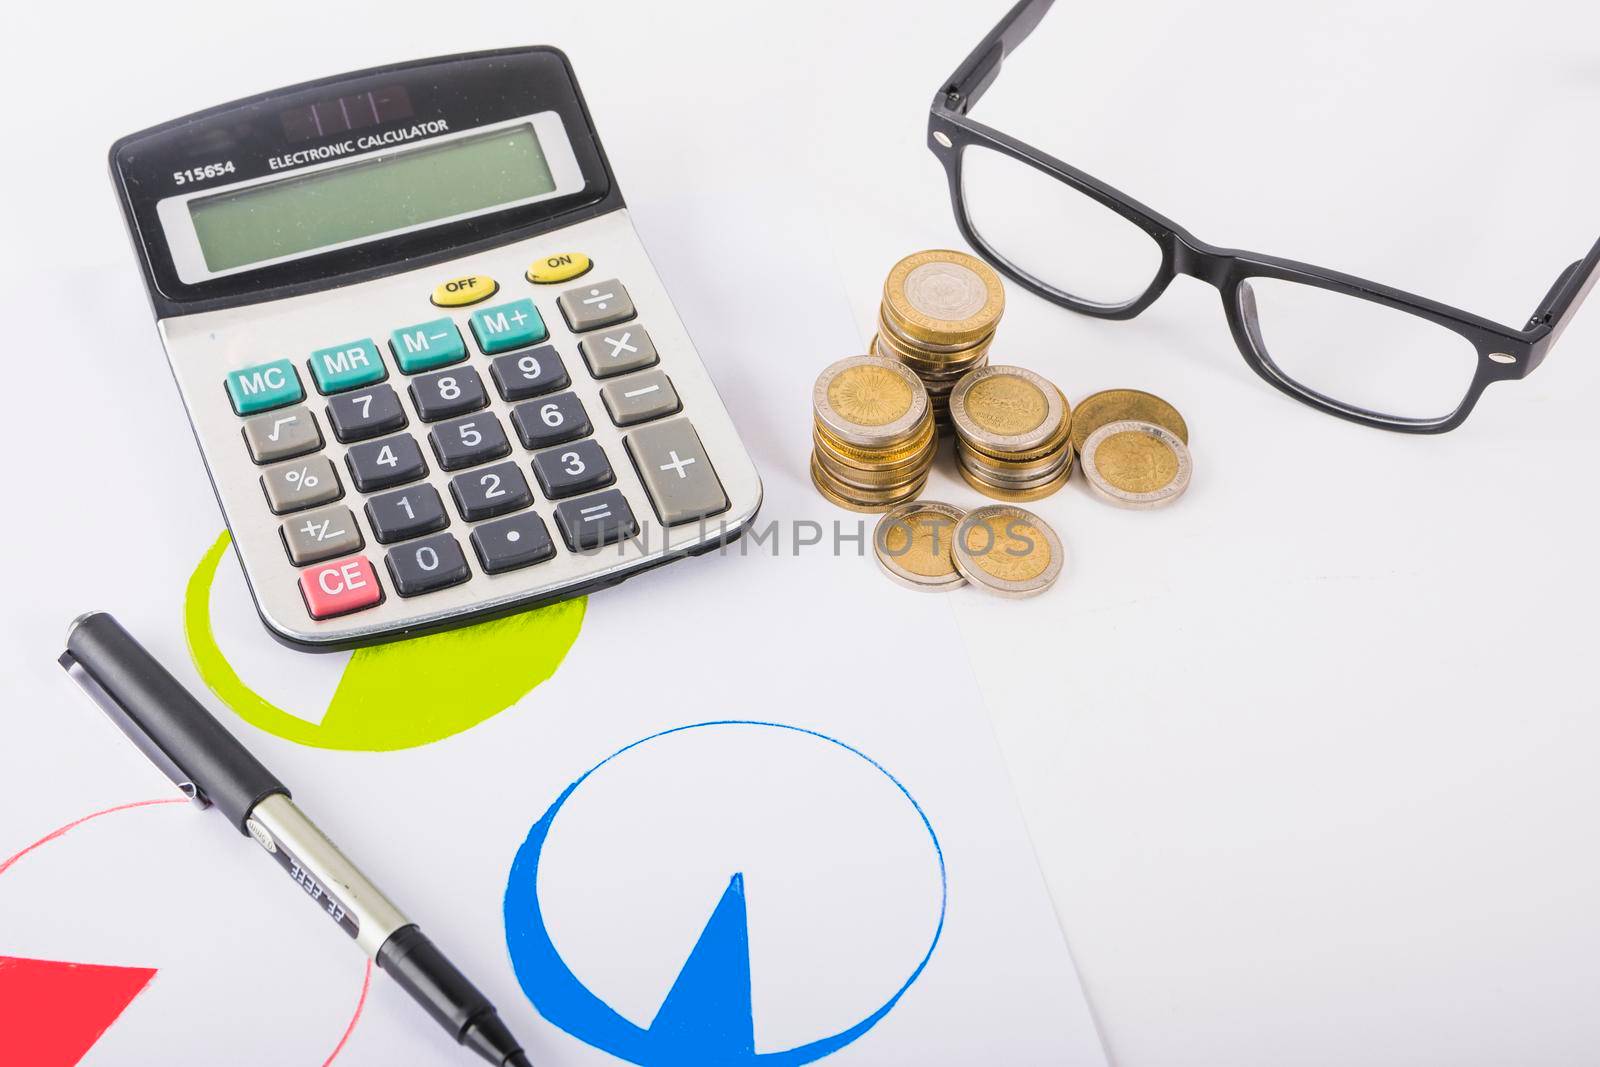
(706, 1017)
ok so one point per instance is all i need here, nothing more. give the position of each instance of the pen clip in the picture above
(141, 740)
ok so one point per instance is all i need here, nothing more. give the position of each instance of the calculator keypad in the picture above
(553, 420)
(468, 441)
(618, 351)
(596, 306)
(448, 393)
(640, 398)
(490, 491)
(300, 484)
(512, 543)
(521, 375)
(419, 567)
(346, 366)
(436, 343)
(571, 469)
(404, 513)
(282, 435)
(383, 463)
(313, 536)
(591, 522)
(369, 413)
(496, 474)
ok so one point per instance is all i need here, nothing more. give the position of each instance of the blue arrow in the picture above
(706, 1017)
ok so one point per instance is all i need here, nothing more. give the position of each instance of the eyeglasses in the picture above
(1344, 345)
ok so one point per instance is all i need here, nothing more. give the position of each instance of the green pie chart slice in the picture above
(401, 694)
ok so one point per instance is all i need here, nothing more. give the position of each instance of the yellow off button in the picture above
(459, 292)
(561, 267)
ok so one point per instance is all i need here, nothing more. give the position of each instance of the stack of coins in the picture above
(1013, 433)
(938, 317)
(872, 433)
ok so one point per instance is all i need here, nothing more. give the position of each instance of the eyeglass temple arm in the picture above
(1561, 303)
(963, 88)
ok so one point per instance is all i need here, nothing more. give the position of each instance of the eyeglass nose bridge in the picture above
(1189, 255)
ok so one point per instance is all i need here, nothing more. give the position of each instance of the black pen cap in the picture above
(169, 717)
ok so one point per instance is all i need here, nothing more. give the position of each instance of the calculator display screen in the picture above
(383, 195)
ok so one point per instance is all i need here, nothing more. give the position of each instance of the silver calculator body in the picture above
(431, 370)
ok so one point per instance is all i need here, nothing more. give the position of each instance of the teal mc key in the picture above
(347, 366)
(507, 326)
(427, 345)
(264, 386)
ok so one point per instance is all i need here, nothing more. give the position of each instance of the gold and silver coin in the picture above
(1137, 464)
(873, 437)
(914, 543)
(943, 297)
(1013, 433)
(938, 316)
(1007, 550)
(868, 401)
(1115, 405)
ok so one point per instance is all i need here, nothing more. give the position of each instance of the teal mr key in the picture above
(347, 366)
(264, 386)
(507, 326)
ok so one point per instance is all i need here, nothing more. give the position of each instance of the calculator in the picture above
(431, 370)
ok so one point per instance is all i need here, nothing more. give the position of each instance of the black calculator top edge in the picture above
(464, 90)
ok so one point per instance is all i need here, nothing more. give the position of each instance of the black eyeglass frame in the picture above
(1503, 351)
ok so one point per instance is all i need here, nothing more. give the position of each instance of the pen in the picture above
(213, 769)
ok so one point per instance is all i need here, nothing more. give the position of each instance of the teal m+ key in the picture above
(427, 345)
(507, 326)
(347, 366)
(264, 386)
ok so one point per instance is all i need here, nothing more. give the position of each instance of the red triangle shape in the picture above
(52, 1013)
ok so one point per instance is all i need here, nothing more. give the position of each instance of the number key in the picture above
(448, 393)
(552, 421)
(423, 566)
(469, 441)
(406, 513)
(392, 461)
(575, 468)
(521, 375)
(368, 413)
(490, 491)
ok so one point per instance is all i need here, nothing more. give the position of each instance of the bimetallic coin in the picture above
(1115, 405)
(1007, 550)
(897, 335)
(1137, 464)
(859, 500)
(1015, 493)
(1020, 475)
(869, 401)
(913, 542)
(1007, 410)
(922, 440)
(943, 297)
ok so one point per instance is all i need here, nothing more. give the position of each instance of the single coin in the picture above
(1137, 464)
(913, 542)
(943, 297)
(1008, 409)
(1007, 550)
(1114, 405)
(869, 401)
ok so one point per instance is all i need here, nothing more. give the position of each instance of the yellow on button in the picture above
(561, 267)
(459, 292)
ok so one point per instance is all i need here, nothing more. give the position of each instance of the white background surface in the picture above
(1307, 759)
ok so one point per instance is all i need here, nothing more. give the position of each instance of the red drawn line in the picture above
(366, 982)
(53, 834)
